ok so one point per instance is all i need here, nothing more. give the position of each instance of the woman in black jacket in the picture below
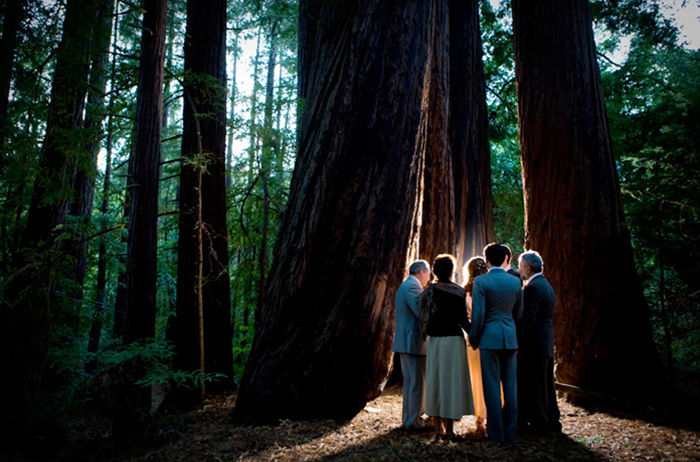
(444, 321)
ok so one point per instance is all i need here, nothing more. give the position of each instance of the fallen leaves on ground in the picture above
(374, 435)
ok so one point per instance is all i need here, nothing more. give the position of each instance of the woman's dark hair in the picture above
(444, 267)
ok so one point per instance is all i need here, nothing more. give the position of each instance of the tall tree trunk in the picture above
(266, 161)
(203, 147)
(120, 297)
(84, 179)
(101, 284)
(663, 306)
(169, 71)
(323, 346)
(13, 14)
(468, 129)
(574, 215)
(52, 188)
(232, 117)
(253, 149)
(144, 167)
(437, 232)
(26, 326)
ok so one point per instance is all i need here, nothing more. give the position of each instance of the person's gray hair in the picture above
(533, 259)
(418, 266)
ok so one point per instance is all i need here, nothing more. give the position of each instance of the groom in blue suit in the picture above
(410, 345)
(497, 304)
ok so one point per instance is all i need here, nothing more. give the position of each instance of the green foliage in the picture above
(80, 388)
(499, 72)
(260, 173)
(654, 107)
(641, 18)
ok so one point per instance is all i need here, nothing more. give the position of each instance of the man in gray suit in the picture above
(410, 346)
(497, 304)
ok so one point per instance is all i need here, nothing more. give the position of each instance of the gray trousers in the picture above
(500, 367)
(413, 370)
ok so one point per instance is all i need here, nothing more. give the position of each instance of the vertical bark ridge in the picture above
(323, 345)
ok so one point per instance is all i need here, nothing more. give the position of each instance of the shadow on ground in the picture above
(398, 445)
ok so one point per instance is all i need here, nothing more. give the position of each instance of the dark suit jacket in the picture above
(512, 272)
(535, 329)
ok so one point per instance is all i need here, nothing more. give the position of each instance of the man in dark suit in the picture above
(497, 304)
(506, 264)
(536, 393)
(410, 346)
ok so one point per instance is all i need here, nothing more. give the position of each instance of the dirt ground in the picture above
(206, 434)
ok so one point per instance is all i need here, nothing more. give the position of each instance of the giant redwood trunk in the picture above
(324, 342)
(437, 231)
(468, 134)
(574, 216)
(204, 134)
(457, 211)
(142, 246)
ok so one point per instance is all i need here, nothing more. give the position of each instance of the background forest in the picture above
(72, 108)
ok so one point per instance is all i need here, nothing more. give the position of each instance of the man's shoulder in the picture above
(410, 282)
(482, 278)
(498, 275)
(539, 282)
(539, 286)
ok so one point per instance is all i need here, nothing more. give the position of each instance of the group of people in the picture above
(483, 349)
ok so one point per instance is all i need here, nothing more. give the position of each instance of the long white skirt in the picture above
(448, 392)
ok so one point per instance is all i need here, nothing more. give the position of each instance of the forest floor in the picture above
(589, 434)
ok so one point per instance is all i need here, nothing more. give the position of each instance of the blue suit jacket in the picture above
(407, 337)
(497, 302)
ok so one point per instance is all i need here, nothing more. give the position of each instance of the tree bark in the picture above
(169, 68)
(101, 283)
(468, 131)
(232, 117)
(144, 168)
(204, 119)
(437, 232)
(84, 179)
(266, 162)
(52, 188)
(323, 346)
(574, 216)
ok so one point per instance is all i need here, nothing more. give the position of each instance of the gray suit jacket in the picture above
(407, 338)
(496, 304)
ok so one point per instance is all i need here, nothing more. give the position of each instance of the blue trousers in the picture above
(499, 367)
(413, 370)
